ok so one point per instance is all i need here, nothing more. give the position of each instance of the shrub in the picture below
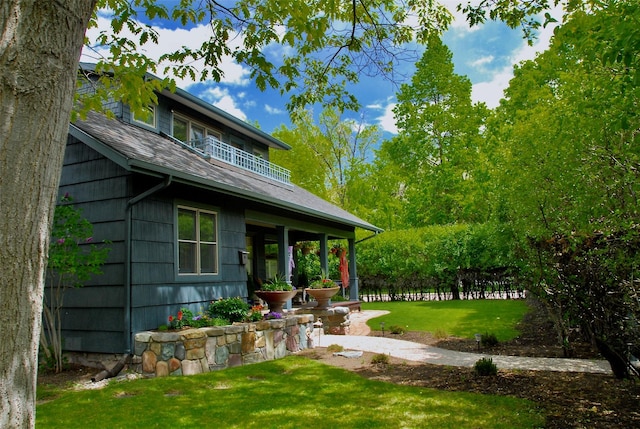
(73, 259)
(485, 367)
(216, 321)
(334, 348)
(440, 334)
(489, 340)
(380, 359)
(232, 309)
(397, 329)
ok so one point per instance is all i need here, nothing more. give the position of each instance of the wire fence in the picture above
(497, 284)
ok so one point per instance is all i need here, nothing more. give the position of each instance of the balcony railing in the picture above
(229, 154)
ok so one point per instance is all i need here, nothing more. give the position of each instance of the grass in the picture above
(287, 393)
(462, 318)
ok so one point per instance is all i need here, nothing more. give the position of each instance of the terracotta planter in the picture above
(276, 299)
(322, 295)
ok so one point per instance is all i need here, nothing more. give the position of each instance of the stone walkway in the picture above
(358, 340)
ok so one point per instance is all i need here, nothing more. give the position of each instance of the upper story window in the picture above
(208, 143)
(197, 241)
(147, 118)
(186, 130)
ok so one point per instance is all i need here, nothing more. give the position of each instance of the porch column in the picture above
(282, 233)
(324, 254)
(353, 272)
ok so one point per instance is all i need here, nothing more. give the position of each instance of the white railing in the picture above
(229, 154)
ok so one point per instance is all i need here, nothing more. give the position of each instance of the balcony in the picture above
(229, 154)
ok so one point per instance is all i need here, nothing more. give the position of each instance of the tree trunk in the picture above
(40, 44)
(619, 366)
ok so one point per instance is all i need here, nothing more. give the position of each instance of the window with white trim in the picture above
(197, 241)
(148, 117)
(186, 130)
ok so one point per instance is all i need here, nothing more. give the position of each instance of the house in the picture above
(189, 201)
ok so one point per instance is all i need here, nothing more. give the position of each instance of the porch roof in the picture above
(143, 151)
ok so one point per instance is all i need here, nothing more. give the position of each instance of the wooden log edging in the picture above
(194, 351)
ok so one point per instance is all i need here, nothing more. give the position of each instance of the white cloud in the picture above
(273, 110)
(170, 40)
(386, 121)
(482, 61)
(492, 90)
(228, 104)
(221, 98)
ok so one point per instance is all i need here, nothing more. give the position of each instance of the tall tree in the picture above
(438, 145)
(569, 167)
(307, 171)
(330, 158)
(39, 51)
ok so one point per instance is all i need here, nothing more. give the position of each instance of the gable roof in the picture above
(209, 110)
(143, 151)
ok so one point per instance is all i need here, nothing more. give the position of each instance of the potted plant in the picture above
(322, 290)
(276, 293)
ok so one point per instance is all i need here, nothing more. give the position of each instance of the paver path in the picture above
(434, 355)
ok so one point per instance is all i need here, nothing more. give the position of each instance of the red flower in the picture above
(180, 315)
(170, 319)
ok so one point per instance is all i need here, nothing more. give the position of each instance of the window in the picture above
(197, 241)
(147, 118)
(187, 130)
(180, 129)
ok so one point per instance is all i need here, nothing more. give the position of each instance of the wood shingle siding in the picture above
(129, 181)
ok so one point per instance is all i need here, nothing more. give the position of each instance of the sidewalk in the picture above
(433, 355)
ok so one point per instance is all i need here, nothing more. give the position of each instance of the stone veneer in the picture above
(193, 351)
(335, 320)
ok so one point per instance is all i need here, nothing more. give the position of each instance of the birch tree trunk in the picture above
(40, 44)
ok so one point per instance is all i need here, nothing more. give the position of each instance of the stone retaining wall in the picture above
(193, 351)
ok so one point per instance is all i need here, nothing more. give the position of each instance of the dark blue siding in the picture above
(93, 315)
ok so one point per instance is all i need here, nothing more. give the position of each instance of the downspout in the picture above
(127, 258)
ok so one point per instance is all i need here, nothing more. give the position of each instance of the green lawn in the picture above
(288, 393)
(460, 318)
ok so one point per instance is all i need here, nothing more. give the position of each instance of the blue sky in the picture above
(486, 54)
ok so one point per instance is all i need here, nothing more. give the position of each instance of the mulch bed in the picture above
(570, 400)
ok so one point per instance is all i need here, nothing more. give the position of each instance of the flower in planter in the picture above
(255, 314)
(322, 283)
(177, 322)
(273, 315)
